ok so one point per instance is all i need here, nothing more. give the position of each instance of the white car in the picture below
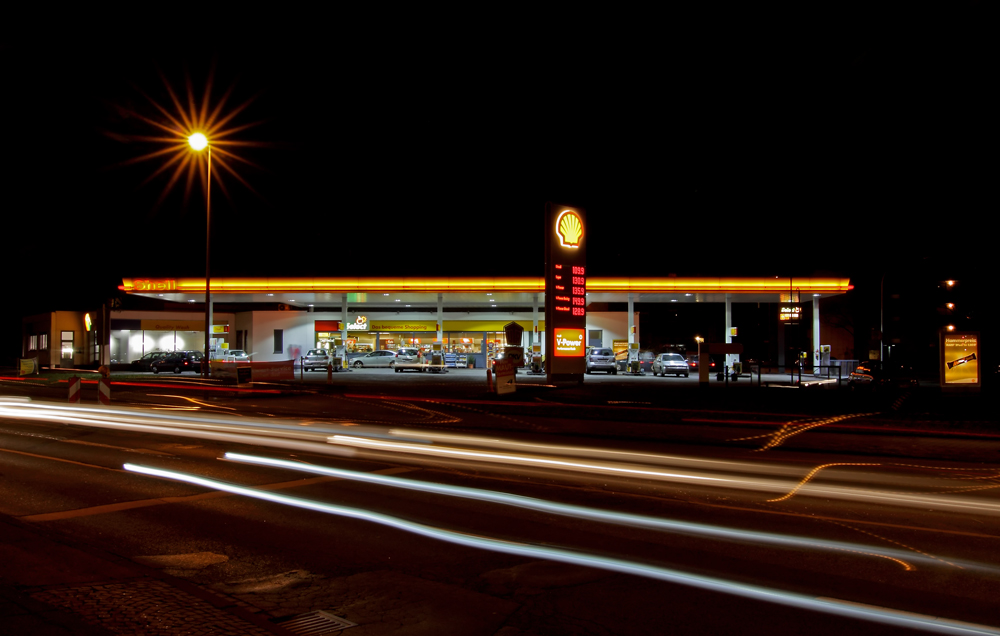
(375, 359)
(235, 355)
(672, 363)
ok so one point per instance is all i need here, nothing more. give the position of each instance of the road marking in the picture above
(122, 448)
(215, 494)
(57, 459)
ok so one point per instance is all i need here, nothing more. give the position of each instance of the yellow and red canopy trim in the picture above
(529, 284)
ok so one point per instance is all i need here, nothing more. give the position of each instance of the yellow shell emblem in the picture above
(570, 229)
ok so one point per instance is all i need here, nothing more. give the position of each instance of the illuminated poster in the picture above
(569, 343)
(960, 359)
(789, 313)
(565, 291)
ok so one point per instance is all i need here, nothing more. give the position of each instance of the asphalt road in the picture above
(911, 512)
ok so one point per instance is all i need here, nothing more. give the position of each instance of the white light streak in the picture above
(887, 616)
(583, 512)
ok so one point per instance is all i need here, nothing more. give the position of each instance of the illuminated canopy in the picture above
(729, 285)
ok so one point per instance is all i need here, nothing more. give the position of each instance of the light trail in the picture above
(716, 479)
(520, 459)
(830, 606)
(593, 514)
(771, 479)
(228, 429)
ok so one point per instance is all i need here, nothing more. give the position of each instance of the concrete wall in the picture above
(614, 324)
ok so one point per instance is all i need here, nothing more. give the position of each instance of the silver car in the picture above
(602, 359)
(380, 358)
(316, 359)
(672, 363)
(408, 358)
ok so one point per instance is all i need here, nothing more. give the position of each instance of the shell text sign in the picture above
(570, 229)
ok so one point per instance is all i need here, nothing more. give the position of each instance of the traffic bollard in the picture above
(104, 391)
(74, 390)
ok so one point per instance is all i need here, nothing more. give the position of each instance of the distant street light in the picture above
(199, 142)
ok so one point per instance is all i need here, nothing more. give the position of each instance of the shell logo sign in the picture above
(569, 226)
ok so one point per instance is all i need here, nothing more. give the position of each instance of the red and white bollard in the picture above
(74, 390)
(104, 391)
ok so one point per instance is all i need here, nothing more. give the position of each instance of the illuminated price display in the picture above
(573, 304)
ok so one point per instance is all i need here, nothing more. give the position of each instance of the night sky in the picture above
(748, 145)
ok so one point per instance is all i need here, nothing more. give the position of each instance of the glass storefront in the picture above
(131, 344)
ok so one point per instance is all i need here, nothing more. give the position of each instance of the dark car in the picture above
(145, 362)
(178, 362)
(693, 363)
(877, 375)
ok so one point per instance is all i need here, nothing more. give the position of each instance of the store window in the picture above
(279, 340)
(66, 345)
(464, 342)
(361, 342)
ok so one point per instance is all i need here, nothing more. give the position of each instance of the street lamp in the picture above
(199, 142)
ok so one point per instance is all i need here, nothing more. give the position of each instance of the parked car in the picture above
(381, 358)
(145, 362)
(235, 355)
(178, 362)
(693, 363)
(318, 359)
(672, 363)
(876, 375)
(407, 358)
(602, 359)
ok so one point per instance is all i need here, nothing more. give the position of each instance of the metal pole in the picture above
(208, 261)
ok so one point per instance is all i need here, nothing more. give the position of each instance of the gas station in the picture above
(565, 312)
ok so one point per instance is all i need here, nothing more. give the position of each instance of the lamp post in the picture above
(199, 142)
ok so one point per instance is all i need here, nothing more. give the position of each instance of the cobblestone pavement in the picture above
(148, 608)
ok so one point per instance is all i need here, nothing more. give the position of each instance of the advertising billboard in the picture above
(960, 359)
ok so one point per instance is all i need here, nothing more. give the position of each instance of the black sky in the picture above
(785, 144)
